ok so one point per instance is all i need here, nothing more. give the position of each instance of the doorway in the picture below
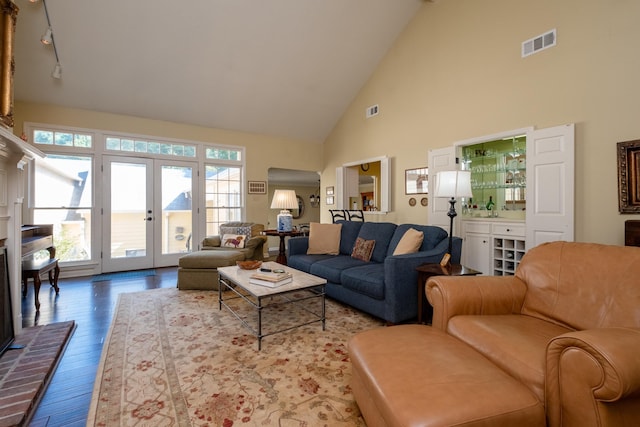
(148, 212)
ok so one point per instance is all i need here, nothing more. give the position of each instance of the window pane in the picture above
(43, 137)
(126, 145)
(63, 181)
(71, 232)
(64, 139)
(113, 144)
(223, 200)
(82, 141)
(141, 146)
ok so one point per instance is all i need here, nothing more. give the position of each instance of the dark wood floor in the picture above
(91, 305)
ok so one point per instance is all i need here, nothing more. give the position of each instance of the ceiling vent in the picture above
(372, 111)
(539, 43)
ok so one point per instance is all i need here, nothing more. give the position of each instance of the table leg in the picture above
(282, 254)
(259, 323)
(36, 290)
(53, 278)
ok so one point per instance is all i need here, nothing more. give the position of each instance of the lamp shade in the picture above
(454, 184)
(284, 199)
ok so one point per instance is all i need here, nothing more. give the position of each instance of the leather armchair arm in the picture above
(464, 295)
(590, 371)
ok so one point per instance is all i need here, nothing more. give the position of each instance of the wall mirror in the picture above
(7, 29)
(364, 184)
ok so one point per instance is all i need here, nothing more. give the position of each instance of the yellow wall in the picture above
(456, 73)
(262, 152)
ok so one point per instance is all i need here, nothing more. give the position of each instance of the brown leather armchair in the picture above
(567, 326)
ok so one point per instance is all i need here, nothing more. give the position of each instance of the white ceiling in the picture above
(285, 68)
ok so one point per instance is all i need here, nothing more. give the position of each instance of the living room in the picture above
(454, 73)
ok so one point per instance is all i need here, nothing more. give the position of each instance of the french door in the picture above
(148, 213)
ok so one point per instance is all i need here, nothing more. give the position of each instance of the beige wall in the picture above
(262, 152)
(456, 73)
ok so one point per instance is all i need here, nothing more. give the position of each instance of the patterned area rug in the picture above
(173, 358)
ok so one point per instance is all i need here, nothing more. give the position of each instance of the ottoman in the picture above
(199, 270)
(415, 375)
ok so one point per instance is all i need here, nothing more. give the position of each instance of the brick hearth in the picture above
(25, 373)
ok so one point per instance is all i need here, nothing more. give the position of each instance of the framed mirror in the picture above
(297, 213)
(7, 30)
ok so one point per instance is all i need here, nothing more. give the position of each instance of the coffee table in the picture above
(303, 287)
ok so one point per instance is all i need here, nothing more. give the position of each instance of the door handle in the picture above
(148, 218)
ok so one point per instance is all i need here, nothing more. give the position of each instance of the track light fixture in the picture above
(47, 39)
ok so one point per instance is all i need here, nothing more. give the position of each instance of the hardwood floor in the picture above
(91, 305)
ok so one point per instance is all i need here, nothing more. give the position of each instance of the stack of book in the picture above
(270, 279)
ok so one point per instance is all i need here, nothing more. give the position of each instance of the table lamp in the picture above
(284, 200)
(453, 184)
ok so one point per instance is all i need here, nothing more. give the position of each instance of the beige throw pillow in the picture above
(324, 239)
(410, 242)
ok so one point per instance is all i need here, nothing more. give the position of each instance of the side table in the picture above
(432, 269)
(282, 256)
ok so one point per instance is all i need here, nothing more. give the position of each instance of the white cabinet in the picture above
(493, 247)
(476, 246)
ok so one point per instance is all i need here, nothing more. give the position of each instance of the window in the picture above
(63, 197)
(223, 195)
(62, 139)
(129, 145)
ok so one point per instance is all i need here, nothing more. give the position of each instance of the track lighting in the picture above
(47, 37)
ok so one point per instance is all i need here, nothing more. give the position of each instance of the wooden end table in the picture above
(432, 269)
(282, 255)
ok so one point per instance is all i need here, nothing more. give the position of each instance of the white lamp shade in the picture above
(284, 199)
(454, 184)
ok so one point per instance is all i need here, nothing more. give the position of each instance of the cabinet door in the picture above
(477, 252)
(550, 185)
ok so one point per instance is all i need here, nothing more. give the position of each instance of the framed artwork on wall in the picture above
(416, 181)
(330, 191)
(329, 200)
(629, 176)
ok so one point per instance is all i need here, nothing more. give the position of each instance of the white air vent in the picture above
(372, 111)
(539, 43)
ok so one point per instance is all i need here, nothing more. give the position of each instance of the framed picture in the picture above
(416, 181)
(629, 176)
(257, 187)
(329, 200)
(330, 191)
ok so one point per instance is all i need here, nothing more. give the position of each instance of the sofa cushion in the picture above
(332, 268)
(410, 242)
(363, 249)
(233, 241)
(365, 279)
(303, 262)
(324, 239)
(381, 232)
(516, 343)
(348, 235)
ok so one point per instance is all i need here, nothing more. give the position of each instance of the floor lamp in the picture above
(453, 184)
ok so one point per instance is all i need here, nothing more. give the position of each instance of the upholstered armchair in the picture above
(241, 236)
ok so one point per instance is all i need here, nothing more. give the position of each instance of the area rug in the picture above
(173, 358)
(123, 275)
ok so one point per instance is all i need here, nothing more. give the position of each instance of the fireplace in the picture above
(6, 329)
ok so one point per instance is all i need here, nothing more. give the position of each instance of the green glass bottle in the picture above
(490, 203)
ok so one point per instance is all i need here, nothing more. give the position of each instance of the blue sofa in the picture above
(385, 286)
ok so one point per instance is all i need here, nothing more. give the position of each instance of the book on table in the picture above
(270, 279)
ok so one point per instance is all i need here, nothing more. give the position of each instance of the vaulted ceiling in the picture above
(286, 68)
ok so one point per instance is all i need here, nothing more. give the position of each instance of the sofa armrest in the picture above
(401, 280)
(590, 371)
(464, 295)
(297, 245)
(211, 241)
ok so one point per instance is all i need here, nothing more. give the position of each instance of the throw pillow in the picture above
(363, 249)
(410, 242)
(324, 239)
(235, 241)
